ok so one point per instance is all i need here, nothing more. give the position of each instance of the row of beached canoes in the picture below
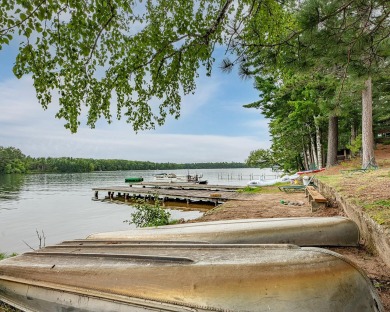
(240, 265)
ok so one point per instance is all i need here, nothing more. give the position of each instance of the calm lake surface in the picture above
(61, 205)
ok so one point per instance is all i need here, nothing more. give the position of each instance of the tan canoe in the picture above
(320, 231)
(119, 276)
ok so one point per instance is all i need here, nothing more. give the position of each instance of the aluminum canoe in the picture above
(122, 276)
(308, 231)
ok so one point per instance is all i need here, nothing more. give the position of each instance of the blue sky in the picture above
(213, 126)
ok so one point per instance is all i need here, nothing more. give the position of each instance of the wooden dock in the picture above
(187, 186)
(175, 192)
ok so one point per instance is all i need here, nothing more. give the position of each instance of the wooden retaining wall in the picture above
(373, 236)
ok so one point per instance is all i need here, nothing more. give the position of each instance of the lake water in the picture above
(61, 205)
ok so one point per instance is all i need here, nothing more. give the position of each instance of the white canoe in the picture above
(307, 231)
(117, 276)
(274, 181)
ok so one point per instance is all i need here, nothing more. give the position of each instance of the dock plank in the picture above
(189, 186)
(206, 194)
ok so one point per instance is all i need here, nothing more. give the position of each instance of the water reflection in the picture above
(10, 187)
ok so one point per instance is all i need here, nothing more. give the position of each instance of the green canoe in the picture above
(134, 179)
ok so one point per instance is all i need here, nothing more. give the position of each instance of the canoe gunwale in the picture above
(308, 231)
(133, 257)
(167, 245)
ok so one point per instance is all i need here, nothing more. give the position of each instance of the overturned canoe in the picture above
(322, 231)
(117, 276)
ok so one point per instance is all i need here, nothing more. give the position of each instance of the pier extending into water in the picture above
(240, 176)
(187, 192)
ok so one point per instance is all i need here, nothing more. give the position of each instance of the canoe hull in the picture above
(310, 171)
(322, 231)
(181, 277)
(134, 179)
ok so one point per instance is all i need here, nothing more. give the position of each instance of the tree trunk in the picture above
(309, 159)
(314, 153)
(368, 157)
(333, 137)
(353, 132)
(305, 162)
(318, 140)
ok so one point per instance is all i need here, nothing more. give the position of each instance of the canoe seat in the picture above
(315, 198)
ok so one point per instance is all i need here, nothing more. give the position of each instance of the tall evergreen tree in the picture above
(351, 37)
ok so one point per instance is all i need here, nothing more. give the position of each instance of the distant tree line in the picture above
(12, 160)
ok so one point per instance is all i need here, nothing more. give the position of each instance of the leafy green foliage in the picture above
(12, 160)
(297, 105)
(318, 71)
(147, 214)
(356, 145)
(142, 55)
(261, 158)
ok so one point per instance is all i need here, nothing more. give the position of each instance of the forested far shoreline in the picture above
(12, 160)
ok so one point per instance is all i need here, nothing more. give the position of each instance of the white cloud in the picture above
(206, 90)
(15, 95)
(25, 125)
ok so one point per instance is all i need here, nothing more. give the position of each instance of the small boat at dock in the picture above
(174, 178)
(283, 179)
(134, 179)
(307, 231)
(310, 171)
(138, 276)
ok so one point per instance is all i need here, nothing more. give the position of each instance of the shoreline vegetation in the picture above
(12, 160)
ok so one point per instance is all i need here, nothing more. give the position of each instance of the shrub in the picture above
(4, 256)
(149, 214)
(356, 145)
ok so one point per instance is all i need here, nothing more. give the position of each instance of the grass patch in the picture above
(261, 189)
(5, 256)
(331, 179)
(379, 211)
(383, 203)
(251, 189)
